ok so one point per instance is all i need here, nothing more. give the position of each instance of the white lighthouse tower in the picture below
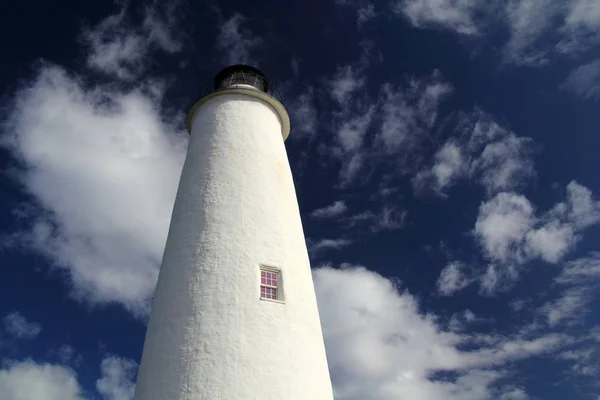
(234, 315)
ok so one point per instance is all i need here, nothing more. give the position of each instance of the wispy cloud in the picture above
(536, 31)
(584, 81)
(454, 277)
(578, 282)
(449, 165)
(370, 130)
(511, 234)
(408, 113)
(352, 118)
(66, 355)
(581, 271)
(455, 15)
(236, 43)
(569, 306)
(485, 151)
(16, 325)
(117, 47)
(303, 115)
(527, 21)
(352, 130)
(333, 210)
(388, 218)
(118, 378)
(365, 10)
(316, 247)
(346, 81)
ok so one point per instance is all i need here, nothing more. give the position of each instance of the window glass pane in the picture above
(268, 282)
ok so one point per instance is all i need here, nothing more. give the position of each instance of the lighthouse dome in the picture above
(238, 76)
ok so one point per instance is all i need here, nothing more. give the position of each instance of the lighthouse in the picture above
(234, 315)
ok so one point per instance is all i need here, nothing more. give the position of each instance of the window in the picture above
(270, 284)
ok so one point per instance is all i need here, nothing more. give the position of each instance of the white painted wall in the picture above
(209, 334)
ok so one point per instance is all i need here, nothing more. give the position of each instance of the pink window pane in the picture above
(268, 293)
(268, 285)
(268, 278)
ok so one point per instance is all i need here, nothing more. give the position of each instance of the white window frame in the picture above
(278, 288)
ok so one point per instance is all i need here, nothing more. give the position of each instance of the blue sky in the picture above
(444, 154)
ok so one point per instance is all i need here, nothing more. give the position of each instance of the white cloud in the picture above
(318, 246)
(118, 378)
(303, 115)
(550, 242)
(570, 307)
(117, 47)
(585, 361)
(380, 346)
(502, 224)
(515, 394)
(237, 43)
(495, 278)
(454, 277)
(100, 165)
(580, 29)
(333, 210)
(390, 218)
(119, 163)
(578, 282)
(527, 21)
(410, 112)
(484, 151)
(392, 124)
(584, 81)
(510, 233)
(67, 355)
(352, 165)
(460, 321)
(365, 13)
(365, 10)
(456, 15)
(582, 270)
(469, 315)
(353, 118)
(536, 31)
(387, 219)
(352, 130)
(580, 208)
(583, 12)
(449, 165)
(19, 327)
(346, 81)
(28, 380)
(505, 164)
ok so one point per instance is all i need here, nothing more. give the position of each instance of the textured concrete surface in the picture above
(209, 335)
